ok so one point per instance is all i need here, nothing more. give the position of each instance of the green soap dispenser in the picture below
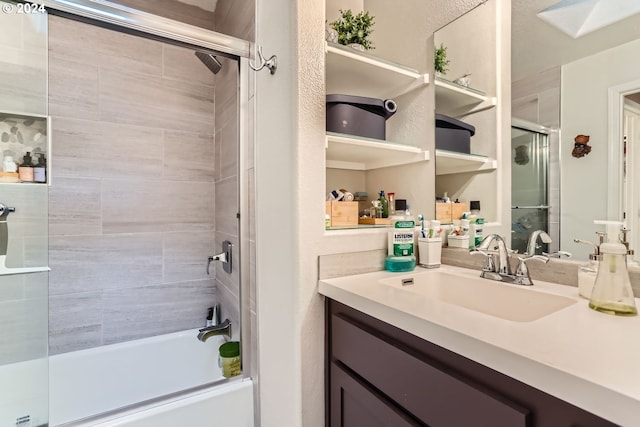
(612, 292)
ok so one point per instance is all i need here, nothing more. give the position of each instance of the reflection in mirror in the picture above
(578, 86)
(532, 208)
(466, 101)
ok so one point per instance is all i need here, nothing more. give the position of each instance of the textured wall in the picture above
(132, 201)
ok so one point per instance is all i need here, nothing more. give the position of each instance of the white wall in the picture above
(290, 128)
(584, 97)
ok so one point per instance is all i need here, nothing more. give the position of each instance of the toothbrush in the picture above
(421, 219)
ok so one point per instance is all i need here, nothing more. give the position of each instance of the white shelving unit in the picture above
(357, 153)
(355, 73)
(455, 100)
(449, 162)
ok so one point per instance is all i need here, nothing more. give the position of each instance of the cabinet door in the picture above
(430, 392)
(355, 404)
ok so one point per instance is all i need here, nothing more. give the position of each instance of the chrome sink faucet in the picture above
(503, 266)
(501, 270)
(532, 245)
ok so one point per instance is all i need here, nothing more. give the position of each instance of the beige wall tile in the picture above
(75, 321)
(155, 102)
(153, 206)
(93, 263)
(154, 310)
(75, 207)
(73, 89)
(87, 44)
(337, 265)
(182, 64)
(189, 156)
(227, 206)
(185, 255)
(105, 150)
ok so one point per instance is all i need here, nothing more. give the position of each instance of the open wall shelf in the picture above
(456, 100)
(357, 153)
(450, 162)
(352, 72)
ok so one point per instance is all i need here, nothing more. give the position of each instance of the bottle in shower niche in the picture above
(25, 170)
(40, 170)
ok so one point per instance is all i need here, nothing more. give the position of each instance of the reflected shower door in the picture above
(529, 187)
(24, 273)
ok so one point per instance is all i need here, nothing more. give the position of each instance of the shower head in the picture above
(210, 61)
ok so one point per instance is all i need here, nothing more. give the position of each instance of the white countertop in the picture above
(581, 356)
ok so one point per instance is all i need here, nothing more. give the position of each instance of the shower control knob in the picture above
(5, 210)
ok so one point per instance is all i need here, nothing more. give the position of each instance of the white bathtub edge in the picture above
(225, 405)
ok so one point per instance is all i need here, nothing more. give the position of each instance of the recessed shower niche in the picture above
(24, 137)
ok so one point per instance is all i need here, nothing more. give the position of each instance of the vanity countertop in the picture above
(581, 356)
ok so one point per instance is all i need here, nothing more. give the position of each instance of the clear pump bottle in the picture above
(612, 292)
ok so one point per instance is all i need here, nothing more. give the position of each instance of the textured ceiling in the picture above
(537, 46)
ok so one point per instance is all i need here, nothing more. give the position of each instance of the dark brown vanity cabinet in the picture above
(381, 376)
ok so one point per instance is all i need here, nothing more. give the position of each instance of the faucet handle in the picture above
(489, 264)
(559, 254)
(522, 272)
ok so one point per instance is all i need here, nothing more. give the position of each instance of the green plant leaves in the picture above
(354, 28)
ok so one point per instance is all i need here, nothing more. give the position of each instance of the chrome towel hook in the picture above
(271, 63)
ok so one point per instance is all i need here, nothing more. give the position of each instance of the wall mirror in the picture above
(570, 86)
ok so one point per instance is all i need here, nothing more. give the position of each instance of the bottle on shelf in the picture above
(392, 204)
(25, 170)
(384, 205)
(40, 170)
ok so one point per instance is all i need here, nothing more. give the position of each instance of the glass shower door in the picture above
(23, 218)
(529, 187)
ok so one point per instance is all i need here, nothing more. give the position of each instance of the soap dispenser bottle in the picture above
(612, 293)
(587, 272)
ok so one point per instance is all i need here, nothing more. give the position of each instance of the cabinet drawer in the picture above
(434, 394)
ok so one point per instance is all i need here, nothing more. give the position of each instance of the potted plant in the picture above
(354, 29)
(441, 60)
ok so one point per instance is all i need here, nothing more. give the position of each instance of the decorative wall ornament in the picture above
(522, 155)
(581, 147)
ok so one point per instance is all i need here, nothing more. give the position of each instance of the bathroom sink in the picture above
(508, 302)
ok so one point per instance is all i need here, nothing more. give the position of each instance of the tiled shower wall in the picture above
(131, 211)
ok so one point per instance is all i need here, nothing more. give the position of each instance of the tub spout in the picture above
(223, 328)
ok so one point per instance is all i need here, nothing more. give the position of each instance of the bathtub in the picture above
(98, 386)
